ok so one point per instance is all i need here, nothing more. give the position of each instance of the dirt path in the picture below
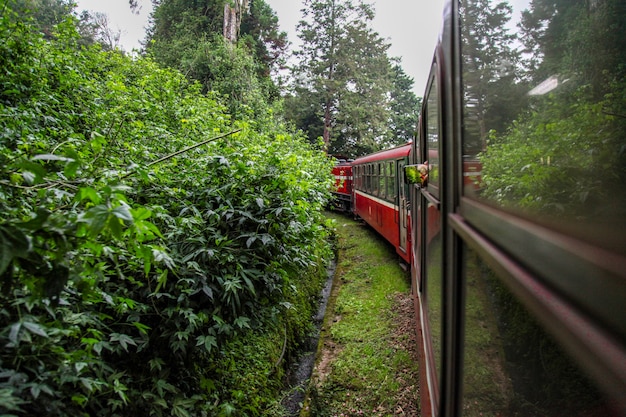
(367, 355)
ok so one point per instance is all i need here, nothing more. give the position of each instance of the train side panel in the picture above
(380, 196)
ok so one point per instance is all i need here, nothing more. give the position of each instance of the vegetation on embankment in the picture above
(367, 357)
(141, 274)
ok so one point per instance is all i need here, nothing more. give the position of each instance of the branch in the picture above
(165, 158)
(608, 113)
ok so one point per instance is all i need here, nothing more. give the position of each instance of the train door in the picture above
(403, 202)
(429, 246)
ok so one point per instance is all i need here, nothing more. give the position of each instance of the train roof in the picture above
(393, 153)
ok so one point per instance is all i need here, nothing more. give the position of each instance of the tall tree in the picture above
(343, 66)
(189, 36)
(404, 106)
(489, 61)
(45, 13)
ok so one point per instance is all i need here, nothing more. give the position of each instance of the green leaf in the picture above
(96, 218)
(123, 339)
(242, 322)
(140, 213)
(38, 221)
(35, 328)
(88, 192)
(162, 280)
(122, 212)
(209, 342)
(156, 364)
(115, 226)
(14, 333)
(32, 172)
(13, 244)
(143, 329)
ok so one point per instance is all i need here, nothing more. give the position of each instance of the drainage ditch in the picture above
(300, 372)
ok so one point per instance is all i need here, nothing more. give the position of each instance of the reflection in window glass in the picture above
(391, 181)
(545, 105)
(511, 366)
(382, 185)
(434, 282)
(432, 136)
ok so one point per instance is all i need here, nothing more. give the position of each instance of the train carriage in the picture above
(380, 196)
(342, 187)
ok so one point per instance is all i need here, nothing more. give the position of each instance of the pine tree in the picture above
(404, 106)
(489, 63)
(345, 71)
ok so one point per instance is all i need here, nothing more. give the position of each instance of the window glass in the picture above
(391, 181)
(382, 181)
(511, 366)
(434, 279)
(545, 108)
(432, 138)
(374, 179)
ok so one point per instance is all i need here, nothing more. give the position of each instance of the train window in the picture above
(391, 181)
(545, 112)
(382, 181)
(368, 178)
(511, 366)
(434, 279)
(374, 179)
(432, 138)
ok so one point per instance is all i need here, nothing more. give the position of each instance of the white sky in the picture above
(410, 26)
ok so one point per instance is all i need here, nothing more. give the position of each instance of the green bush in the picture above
(128, 272)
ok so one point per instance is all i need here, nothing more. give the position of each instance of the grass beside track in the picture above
(366, 362)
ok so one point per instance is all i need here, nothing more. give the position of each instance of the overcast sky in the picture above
(410, 26)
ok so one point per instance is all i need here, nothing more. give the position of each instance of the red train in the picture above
(342, 190)
(376, 192)
(510, 207)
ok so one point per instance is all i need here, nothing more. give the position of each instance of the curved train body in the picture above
(380, 196)
(513, 213)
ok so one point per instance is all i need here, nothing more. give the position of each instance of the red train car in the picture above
(380, 196)
(342, 189)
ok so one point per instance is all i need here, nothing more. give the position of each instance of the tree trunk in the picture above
(230, 23)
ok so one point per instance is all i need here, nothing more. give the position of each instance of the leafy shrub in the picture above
(129, 269)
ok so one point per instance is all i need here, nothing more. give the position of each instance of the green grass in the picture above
(364, 371)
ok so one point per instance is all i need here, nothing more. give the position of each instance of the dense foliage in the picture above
(188, 36)
(549, 114)
(144, 236)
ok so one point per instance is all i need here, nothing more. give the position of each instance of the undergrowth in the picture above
(364, 368)
(156, 255)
